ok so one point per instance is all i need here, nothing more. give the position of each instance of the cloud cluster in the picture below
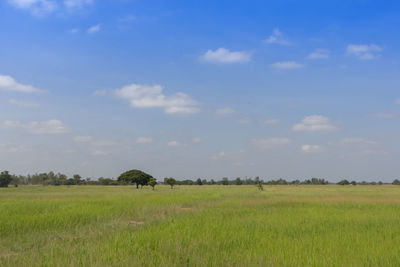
(363, 51)
(45, 7)
(225, 56)
(38, 127)
(145, 96)
(311, 149)
(271, 142)
(277, 38)
(287, 65)
(314, 123)
(319, 54)
(7, 83)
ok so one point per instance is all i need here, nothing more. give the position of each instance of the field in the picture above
(200, 226)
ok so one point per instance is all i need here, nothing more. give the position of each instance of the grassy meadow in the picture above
(200, 226)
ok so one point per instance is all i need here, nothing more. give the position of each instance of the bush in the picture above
(5, 179)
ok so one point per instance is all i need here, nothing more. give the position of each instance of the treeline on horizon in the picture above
(57, 179)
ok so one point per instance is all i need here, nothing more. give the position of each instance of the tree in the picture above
(199, 182)
(225, 181)
(260, 186)
(171, 181)
(343, 182)
(77, 178)
(238, 181)
(135, 177)
(5, 179)
(353, 182)
(152, 182)
(396, 182)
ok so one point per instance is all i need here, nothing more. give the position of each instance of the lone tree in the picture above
(5, 179)
(135, 177)
(152, 182)
(171, 181)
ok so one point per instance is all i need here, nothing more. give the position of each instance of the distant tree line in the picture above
(140, 179)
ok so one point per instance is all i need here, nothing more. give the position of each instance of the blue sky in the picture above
(292, 89)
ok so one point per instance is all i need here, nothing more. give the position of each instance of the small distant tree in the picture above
(5, 179)
(353, 183)
(152, 182)
(260, 186)
(396, 182)
(77, 178)
(225, 181)
(238, 181)
(343, 182)
(199, 181)
(135, 177)
(170, 181)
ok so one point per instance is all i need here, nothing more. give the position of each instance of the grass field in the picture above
(200, 226)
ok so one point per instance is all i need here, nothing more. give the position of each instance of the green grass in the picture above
(200, 226)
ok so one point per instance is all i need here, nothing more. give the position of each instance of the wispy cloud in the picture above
(225, 56)
(319, 54)
(311, 149)
(287, 65)
(277, 37)
(38, 127)
(225, 111)
(314, 123)
(46, 7)
(174, 143)
(144, 140)
(363, 51)
(75, 4)
(271, 142)
(94, 28)
(145, 96)
(83, 139)
(23, 104)
(7, 83)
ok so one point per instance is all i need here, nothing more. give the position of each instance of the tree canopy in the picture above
(5, 179)
(135, 177)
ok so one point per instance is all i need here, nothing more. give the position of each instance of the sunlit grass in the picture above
(200, 226)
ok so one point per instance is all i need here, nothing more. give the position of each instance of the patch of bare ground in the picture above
(135, 223)
(8, 254)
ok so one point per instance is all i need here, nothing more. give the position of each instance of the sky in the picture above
(210, 89)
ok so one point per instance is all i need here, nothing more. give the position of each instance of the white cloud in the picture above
(269, 121)
(46, 7)
(23, 104)
(36, 7)
(94, 28)
(7, 83)
(244, 121)
(144, 140)
(319, 54)
(311, 149)
(83, 139)
(224, 111)
(144, 96)
(99, 92)
(287, 65)
(99, 153)
(314, 123)
(174, 143)
(196, 140)
(74, 4)
(38, 127)
(277, 38)
(74, 30)
(364, 51)
(223, 55)
(271, 142)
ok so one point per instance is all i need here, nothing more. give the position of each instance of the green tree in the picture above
(5, 179)
(135, 177)
(171, 181)
(343, 182)
(199, 182)
(238, 181)
(225, 181)
(396, 182)
(77, 178)
(152, 182)
(260, 185)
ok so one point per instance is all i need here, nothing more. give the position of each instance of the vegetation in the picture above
(135, 177)
(5, 179)
(200, 226)
(170, 181)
